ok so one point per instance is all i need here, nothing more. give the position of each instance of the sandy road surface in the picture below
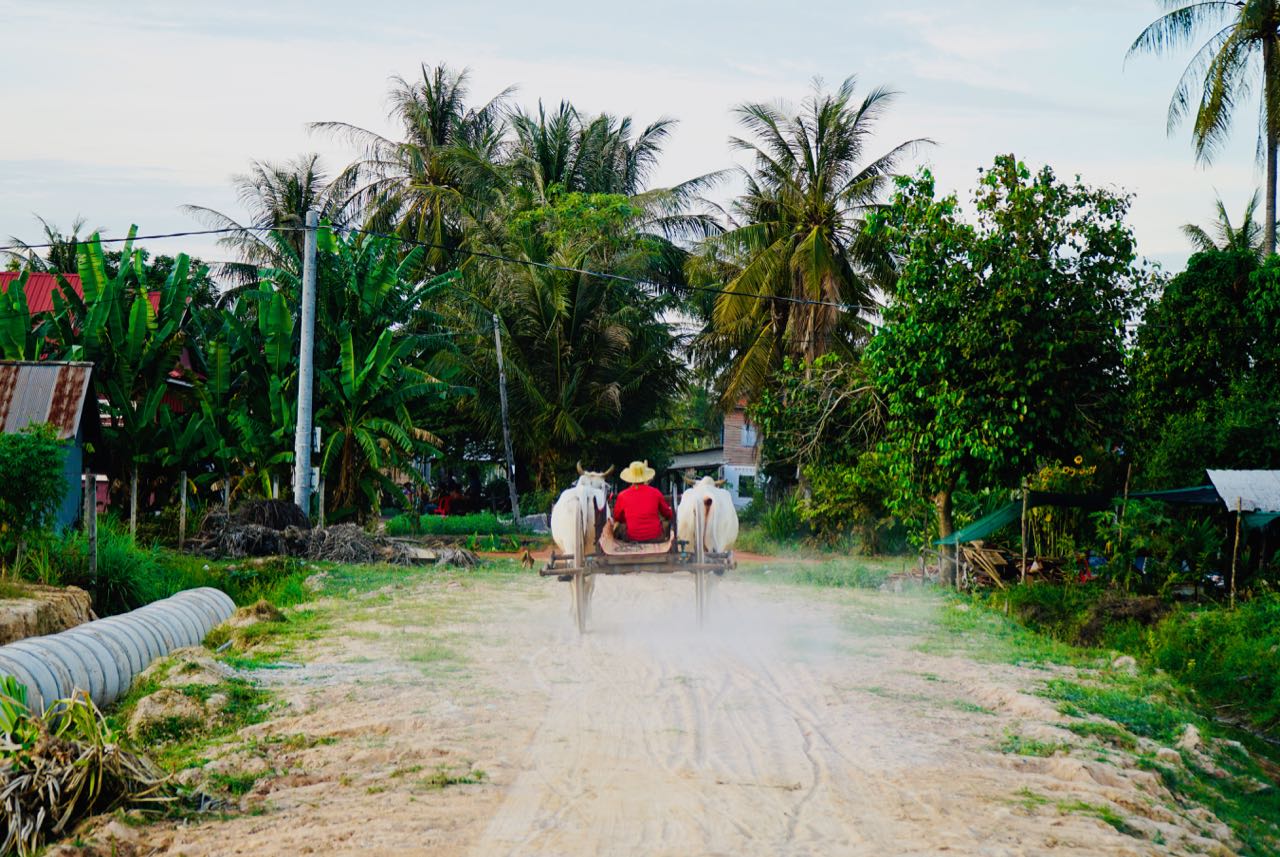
(802, 722)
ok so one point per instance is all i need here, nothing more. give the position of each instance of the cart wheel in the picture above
(581, 593)
(579, 601)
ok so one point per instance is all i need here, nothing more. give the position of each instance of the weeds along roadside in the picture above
(1127, 713)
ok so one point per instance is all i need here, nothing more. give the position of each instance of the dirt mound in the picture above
(273, 514)
(1115, 608)
(31, 610)
(346, 543)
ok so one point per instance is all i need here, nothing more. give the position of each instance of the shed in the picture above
(54, 393)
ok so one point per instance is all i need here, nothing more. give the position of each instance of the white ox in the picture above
(706, 500)
(584, 504)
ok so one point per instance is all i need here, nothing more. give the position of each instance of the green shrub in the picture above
(480, 523)
(781, 521)
(32, 486)
(841, 575)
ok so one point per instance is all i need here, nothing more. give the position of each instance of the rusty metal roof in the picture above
(43, 393)
(1255, 490)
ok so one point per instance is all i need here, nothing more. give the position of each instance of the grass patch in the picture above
(1029, 800)
(1020, 745)
(444, 776)
(233, 784)
(1105, 731)
(1099, 811)
(1143, 708)
(480, 523)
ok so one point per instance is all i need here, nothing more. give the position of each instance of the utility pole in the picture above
(506, 427)
(302, 433)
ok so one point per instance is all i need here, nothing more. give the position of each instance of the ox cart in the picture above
(606, 555)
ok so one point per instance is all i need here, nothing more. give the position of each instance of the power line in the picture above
(569, 269)
(17, 248)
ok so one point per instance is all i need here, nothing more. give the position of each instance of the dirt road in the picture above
(801, 722)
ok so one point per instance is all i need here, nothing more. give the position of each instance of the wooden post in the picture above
(320, 498)
(1024, 531)
(1123, 506)
(182, 509)
(133, 503)
(1235, 551)
(91, 526)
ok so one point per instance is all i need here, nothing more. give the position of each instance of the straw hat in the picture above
(637, 472)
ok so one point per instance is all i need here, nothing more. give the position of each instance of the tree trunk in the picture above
(942, 506)
(133, 502)
(1272, 125)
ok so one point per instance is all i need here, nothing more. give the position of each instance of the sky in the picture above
(123, 112)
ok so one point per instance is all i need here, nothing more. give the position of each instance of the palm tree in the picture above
(1247, 237)
(277, 197)
(59, 255)
(799, 268)
(589, 361)
(421, 186)
(1221, 74)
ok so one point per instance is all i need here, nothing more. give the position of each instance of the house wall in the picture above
(740, 459)
(69, 511)
(735, 453)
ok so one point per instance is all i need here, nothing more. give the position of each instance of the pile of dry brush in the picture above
(58, 769)
(279, 528)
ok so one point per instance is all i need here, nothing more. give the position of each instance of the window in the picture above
(746, 486)
(749, 436)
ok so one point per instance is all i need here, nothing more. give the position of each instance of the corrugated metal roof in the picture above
(702, 458)
(1257, 490)
(40, 289)
(43, 393)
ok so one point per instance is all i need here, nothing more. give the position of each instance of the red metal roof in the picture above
(43, 393)
(40, 289)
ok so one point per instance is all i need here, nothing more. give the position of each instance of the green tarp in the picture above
(1204, 495)
(984, 527)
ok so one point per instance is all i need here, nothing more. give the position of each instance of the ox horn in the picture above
(608, 472)
(720, 482)
(580, 470)
(688, 480)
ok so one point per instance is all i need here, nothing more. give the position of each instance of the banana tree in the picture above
(23, 335)
(134, 344)
(378, 366)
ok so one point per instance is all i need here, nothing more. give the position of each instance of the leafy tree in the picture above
(32, 486)
(796, 252)
(1205, 369)
(589, 363)
(1226, 236)
(1003, 339)
(1221, 74)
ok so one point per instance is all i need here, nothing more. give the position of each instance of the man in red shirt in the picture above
(641, 513)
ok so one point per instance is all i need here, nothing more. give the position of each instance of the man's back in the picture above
(642, 508)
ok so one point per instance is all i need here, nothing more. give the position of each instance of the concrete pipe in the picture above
(63, 681)
(189, 619)
(37, 681)
(103, 657)
(125, 650)
(116, 670)
(140, 634)
(83, 666)
(209, 609)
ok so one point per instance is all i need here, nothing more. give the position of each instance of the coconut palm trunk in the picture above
(1272, 120)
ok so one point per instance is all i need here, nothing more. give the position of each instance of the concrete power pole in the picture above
(506, 427)
(302, 433)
